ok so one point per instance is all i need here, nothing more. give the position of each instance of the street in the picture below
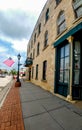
(4, 87)
(4, 81)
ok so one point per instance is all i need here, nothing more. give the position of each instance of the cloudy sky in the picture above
(17, 21)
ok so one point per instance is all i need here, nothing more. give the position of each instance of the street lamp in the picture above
(18, 83)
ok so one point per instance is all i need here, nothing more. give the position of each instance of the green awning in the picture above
(71, 32)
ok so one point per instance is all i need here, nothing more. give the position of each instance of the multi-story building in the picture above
(54, 52)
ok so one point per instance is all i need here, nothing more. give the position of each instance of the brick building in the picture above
(54, 52)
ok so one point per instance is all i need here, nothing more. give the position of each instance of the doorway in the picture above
(77, 67)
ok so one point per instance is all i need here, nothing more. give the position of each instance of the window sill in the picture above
(77, 19)
(46, 22)
(38, 34)
(45, 47)
(44, 80)
(36, 78)
(58, 35)
(37, 55)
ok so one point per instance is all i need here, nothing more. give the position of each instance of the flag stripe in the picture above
(9, 62)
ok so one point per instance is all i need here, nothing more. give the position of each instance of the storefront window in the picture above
(76, 62)
(64, 64)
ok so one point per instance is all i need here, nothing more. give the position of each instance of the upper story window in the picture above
(47, 15)
(61, 22)
(31, 44)
(38, 49)
(39, 29)
(35, 38)
(33, 53)
(77, 5)
(46, 39)
(29, 48)
(58, 1)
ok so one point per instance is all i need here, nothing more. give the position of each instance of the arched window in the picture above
(58, 1)
(32, 44)
(38, 49)
(47, 15)
(77, 5)
(39, 28)
(61, 22)
(46, 39)
(33, 53)
(35, 38)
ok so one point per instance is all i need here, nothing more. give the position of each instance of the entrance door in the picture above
(77, 71)
(63, 70)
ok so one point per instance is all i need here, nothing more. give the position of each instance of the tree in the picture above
(13, 72)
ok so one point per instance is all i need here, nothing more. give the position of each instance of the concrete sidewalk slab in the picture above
(44, 111)
(67, 119)
(41, 122)
(32, 108)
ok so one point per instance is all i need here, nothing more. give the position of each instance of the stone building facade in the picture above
(54, 52)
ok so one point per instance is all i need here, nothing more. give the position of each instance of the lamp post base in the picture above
(18, 84)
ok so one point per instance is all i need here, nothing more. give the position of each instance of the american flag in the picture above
(9, 62)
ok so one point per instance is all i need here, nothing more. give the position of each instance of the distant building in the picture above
(22, 71)
(54, 52)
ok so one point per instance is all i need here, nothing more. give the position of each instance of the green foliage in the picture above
(13, 72)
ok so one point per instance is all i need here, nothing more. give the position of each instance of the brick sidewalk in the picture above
(11, 113)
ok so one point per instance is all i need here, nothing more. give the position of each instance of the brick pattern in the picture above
(11, 113)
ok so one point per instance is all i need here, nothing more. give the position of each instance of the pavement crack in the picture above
(34, 115)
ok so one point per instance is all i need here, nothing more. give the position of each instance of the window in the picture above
(29, 48)
(44, 69)
(39, 29)
(37, 71)
(45, 39)
(64, 64)
(31, 44)
(32, 72)
(35, 38)
(77, 54)
(47, 15)
(58, 1)
(61, 22)
(77, 5)
(33, 53)
(38, 49)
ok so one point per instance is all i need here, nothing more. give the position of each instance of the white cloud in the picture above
(16, 24)
(20, 46)
(17, 20)
(2, 49)
(27, 5)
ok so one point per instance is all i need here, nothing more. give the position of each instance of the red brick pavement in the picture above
(11, 113)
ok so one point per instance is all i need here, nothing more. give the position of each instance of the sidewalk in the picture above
(44, 111)
(10, 113)
(29, 107)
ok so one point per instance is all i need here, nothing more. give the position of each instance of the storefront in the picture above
(69, 64)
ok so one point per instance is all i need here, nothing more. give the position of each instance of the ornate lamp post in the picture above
(18, 83)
